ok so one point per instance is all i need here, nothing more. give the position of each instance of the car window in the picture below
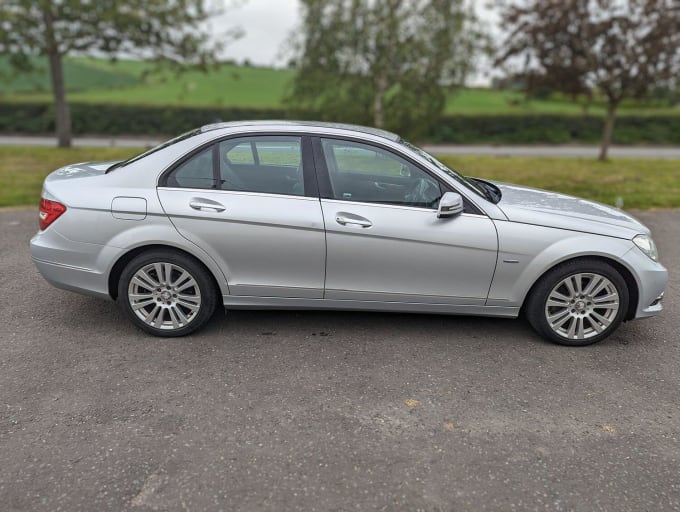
(266, 164)
(196, 172)
(365, 173)
(279, 152)
(241, 154)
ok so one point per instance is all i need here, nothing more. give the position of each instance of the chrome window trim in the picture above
(401, 207)
(239, 192)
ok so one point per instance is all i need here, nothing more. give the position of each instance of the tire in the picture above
(167, 293)
(578, 303)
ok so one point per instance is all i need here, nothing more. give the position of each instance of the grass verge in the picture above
(23, 169)
(641, 183)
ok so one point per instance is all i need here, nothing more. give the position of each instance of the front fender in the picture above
(526, 252)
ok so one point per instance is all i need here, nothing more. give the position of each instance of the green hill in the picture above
(80, 75)
(91, 80)
(134, 82)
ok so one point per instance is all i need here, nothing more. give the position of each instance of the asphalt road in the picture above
(562, 151)
(329, 411)
(555, 151)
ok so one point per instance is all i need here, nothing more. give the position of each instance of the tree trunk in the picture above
(608, 130)
(61, 108)
(379, 101)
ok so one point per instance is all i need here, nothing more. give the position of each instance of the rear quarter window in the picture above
(196, 172)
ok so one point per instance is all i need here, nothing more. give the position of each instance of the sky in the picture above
(269, 23)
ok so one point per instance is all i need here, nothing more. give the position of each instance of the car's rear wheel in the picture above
(167, 293)
(578, 303)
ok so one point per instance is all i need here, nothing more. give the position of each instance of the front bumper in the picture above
(651, 278)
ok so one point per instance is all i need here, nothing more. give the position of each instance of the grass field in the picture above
(80, 74)
(23, 169)
(641, 183)
(228, 86)
(100, 81)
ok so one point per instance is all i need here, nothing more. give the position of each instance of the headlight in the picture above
(647, 245)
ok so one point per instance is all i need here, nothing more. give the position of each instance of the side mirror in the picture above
(450, 205)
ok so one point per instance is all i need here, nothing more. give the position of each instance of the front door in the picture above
(384, 240)
(247, 202)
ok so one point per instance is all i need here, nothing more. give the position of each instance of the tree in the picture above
(382, 62)
(617, 48)
(163, 31)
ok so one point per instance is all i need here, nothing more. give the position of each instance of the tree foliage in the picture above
(382, 62)
(617, 48)
(163, 31)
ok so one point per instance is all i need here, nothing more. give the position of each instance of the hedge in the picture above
(555, 129)
(111, 119)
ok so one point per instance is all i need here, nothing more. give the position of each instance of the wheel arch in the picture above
(127, 257)
(626, 274)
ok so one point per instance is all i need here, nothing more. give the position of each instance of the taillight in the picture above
(49, 212)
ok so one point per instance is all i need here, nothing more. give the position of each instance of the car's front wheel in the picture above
(578, 303)
(167, 293)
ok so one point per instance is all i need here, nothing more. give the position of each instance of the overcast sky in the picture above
(268, 24)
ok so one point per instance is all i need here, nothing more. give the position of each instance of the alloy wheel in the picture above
(582, 306)
(164, 296)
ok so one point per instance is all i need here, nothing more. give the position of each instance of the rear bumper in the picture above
(74, 279)
(70, 265)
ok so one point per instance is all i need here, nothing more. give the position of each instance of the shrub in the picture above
(112, 119)
(555, 129)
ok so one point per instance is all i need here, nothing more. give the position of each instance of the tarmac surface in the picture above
(561, 151)
(329, 411)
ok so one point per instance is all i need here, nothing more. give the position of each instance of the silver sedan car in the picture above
(296, 215)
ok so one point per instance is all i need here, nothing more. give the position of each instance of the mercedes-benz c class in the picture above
(298, 215)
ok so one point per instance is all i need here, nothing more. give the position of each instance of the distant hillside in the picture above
(99, 81)
(80, 75)
(92, 80)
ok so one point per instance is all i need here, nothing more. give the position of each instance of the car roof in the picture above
(376, 132)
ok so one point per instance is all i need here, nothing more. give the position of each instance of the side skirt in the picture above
(247, 302)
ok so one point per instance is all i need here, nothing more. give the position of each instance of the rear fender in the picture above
(159, 235)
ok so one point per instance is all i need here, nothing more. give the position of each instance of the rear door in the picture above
(384, 239)
(252, 203)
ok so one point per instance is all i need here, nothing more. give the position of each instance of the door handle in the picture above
(348, 218)
(206, 204)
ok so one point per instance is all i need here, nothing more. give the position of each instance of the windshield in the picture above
(164, 145)
(466, 182)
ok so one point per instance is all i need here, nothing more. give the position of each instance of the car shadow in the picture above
(92, 316)
(331, 324)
